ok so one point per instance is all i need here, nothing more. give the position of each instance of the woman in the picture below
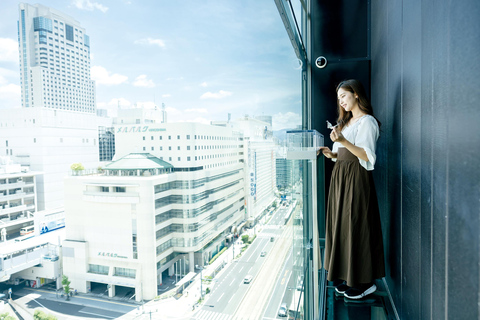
(354, 246)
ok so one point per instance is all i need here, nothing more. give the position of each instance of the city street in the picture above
(230, 290)
(83, 306)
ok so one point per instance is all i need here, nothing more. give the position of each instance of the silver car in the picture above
(248, 279)
(282, 312)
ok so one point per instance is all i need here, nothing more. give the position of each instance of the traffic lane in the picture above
(73, 309)
(231, 290)
(279, 217)
(283, 282)
(234, 301)
(230, 284)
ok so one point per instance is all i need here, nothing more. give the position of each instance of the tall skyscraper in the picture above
(54, 60)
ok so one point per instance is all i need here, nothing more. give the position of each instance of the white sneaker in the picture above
(354, 293)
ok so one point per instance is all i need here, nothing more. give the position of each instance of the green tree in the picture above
(40, 315)
(77, 167)
(245, 238)
(66, 285)
(6, 316)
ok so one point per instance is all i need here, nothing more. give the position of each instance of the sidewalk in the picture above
(26, 309)
(183, 308)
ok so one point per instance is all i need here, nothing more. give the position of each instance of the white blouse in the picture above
(364, 134)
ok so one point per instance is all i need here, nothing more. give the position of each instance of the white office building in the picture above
(18, 200)
(260, 165)
(49, 141)
(54, 60)
(172, 193)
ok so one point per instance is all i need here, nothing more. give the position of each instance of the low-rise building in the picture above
(128, 225)
(18, 201)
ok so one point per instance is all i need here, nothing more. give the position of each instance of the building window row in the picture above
(192, 184)
(191, 213)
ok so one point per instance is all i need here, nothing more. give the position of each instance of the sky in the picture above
(202, 59)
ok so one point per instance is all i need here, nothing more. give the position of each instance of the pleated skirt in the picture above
(353, 244)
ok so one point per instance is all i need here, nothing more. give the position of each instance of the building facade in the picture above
(18, 201)
(54, 60)
(174, 199)
(49, 141)
(260, 164)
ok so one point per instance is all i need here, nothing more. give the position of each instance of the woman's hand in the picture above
(326, 152)
(336, 135)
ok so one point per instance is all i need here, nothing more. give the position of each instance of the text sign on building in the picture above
(139, 129)
(111, 255)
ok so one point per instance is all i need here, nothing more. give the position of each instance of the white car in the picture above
(248, 279)
(282, 312)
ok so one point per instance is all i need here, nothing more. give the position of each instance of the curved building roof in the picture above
(134, 161)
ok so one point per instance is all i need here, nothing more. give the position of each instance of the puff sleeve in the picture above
(366, 138)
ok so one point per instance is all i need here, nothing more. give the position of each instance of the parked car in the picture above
(248, 279)
(282, 312)
(272, 239)
(263, 253)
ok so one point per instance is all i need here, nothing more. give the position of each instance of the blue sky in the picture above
(203, 59)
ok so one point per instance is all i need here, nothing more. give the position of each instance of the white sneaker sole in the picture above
(339, 292)
(370, 290)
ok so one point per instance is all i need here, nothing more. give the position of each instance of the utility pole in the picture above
(201, 280)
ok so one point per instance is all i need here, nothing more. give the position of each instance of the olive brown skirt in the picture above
(353, 244)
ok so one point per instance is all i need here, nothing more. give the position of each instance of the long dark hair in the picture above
(355, 87)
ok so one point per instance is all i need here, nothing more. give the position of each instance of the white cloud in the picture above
(10, 96)
(89, 5)
(203, 84)
(198, 110)
(11, 89)
(114, 103)
(102, 76)
(289, 120)
(167, 95)
(173, 112)
(146, 104)
(142, 81)
(219, 95)
(8, 50)
(151, 41)
(199, 120)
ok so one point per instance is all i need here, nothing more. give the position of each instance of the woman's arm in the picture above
(327, 152)
(359, 152)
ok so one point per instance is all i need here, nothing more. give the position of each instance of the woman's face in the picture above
(347, 100)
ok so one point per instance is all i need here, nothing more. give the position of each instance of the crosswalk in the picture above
(267, 234)
(211, 315)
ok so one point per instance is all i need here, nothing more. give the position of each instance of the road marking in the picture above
(86, 298)
(40, 304)
(230, 299)
(96, 314)
(220, 297)
(232, 282)
(240, 270)
(211, 315)
(276, 284)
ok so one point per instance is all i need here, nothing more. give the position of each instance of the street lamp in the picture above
(201, 279)
(234, 231)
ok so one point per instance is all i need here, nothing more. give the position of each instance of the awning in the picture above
(186, 279)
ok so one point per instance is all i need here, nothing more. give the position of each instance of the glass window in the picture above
(124, 272)
(96, 268)
(69, 32)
